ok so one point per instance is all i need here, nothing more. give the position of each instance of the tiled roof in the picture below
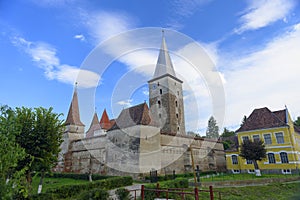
(135, 115)
(73, 117)
(105, 123)
(263, 118)
(94, 126)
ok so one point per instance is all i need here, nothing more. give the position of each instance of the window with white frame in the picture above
(251, 171)
(286, 171)
(279, 138)
(284, 157)
(271, 158)
(267, 138)
(249, 161)
(256, 138)
(245, 138)
(234, 159)
(236, 171)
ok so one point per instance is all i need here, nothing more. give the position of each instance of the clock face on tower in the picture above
(154, 86)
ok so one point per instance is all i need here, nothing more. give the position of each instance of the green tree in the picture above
(227, 133)
(10, 154)
(254, 151)
(40, 136)
(227, 138)
(212, 128)
(297, 122)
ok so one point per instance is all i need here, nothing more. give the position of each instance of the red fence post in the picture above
(211, 193)
(134, 194)
(157, 192)
(196, 194)
(142, 192)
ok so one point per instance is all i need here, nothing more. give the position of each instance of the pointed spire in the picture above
(164, 64)
(94, 126)
(73, 117)
(95, 119)
(104, 121)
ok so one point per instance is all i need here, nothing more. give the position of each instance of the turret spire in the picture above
(73, 117)
(164, 64)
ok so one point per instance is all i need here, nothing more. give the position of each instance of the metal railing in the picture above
(182, 192)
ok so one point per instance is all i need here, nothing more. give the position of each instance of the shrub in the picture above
(67, 191)
(42, 196)
(78, 176)
(94, 194)
(123, 194)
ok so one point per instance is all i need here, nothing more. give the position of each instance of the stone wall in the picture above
(138, 150)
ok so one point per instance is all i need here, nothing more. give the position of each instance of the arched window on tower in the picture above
(160, 91)
(177, 115)
(158, 84)
(159, 104)
(176, 103)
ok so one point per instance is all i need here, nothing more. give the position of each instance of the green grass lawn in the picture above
(284, 191)
(278, 191)
(228, 177)
(53, 182)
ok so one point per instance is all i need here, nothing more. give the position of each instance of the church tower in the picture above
(165, 95)
(74, 129)
(73, 124)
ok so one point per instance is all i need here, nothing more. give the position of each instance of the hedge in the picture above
(94, 194)
(78, 176)
(67, 191)
(185, 175)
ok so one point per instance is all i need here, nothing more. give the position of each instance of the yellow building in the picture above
(281, 139)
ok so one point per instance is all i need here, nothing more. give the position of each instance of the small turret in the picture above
(95, 128)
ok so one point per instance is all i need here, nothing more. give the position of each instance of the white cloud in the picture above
(79, 37)
(145, 91)
(265, 78)
(103, 25)
(261, 13)
(44, 55)
(126, 103)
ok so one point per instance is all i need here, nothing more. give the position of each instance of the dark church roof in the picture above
(73, 117)
(263, 118)
(135, 115)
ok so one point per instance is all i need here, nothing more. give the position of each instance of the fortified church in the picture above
(142, 138)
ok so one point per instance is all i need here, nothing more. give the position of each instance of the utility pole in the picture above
(193, 165)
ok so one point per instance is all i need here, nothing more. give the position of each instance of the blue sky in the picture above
(254, 45)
